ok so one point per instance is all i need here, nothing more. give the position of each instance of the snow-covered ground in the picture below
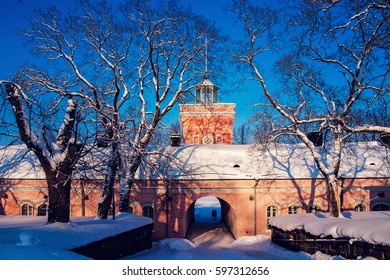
(217, 244)
(31, 238)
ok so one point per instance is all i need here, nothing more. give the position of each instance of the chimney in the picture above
(175, 140)
(385, 139)
(316, 138)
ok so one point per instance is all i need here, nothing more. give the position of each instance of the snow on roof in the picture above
(17, 162)
(371, 227)
(282, 161)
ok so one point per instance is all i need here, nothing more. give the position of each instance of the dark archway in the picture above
(198, 218)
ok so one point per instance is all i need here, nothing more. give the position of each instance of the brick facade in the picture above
(199, 121)
(244, 203)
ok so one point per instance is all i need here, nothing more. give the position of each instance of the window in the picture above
(380, 207)
(42, 210)
(271, 212)
(314, 209)
(293, 209)
(196, 139)
(27, 210)
(147, 211)
(360, 208)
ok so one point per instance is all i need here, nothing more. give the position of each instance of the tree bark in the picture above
(334, 196)
(109, 183)
(125, 194)
(59, 200)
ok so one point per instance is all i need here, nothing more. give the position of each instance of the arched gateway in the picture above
(174, 213)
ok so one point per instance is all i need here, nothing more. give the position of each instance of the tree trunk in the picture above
(109, 182)
(125, 193)
(104, 204)
(59, 200)
(334, 197)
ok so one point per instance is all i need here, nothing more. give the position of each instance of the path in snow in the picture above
(213, 241)
(210, 235)
(209, 240)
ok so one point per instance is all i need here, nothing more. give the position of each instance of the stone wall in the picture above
(120, 245)
(299, 240)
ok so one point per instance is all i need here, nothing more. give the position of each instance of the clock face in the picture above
(207, 139)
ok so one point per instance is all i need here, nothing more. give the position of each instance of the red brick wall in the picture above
(236, 194)
(216, 119)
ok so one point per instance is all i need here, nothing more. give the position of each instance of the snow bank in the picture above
(176, 244)
(371, 227)
(20, 235)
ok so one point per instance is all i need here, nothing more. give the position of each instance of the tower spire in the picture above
(206, 74)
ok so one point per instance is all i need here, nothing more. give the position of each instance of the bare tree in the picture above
(335, 62)
(242, 134)
(131, 61)
(56, 147)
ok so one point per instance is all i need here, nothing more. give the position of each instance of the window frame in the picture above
(297, 209)
(272, 211)
(29, 210)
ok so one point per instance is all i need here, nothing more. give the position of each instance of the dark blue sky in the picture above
(13, 54)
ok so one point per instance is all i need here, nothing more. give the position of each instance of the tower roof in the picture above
(206, 83)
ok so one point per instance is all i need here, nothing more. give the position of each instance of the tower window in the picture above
(196, 139)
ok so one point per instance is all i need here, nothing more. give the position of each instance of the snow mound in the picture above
(321, 256)
(176, 244)
(28, 238)
(252, 241)
(371, 227)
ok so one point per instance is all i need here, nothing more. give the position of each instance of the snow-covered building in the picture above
(252, 185)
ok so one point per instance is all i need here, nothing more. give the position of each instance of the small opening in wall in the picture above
(236, 166)
(372, 163)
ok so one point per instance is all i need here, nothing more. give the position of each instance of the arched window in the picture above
(360, 208)
(272, 211)
(293, 209)
(27, 210)
(148, 211)
(42, 210)
(314, 209)
(380, 207)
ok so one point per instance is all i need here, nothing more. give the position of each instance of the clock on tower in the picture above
(207, 139)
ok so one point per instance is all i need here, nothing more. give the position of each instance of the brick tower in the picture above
(207, 121)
